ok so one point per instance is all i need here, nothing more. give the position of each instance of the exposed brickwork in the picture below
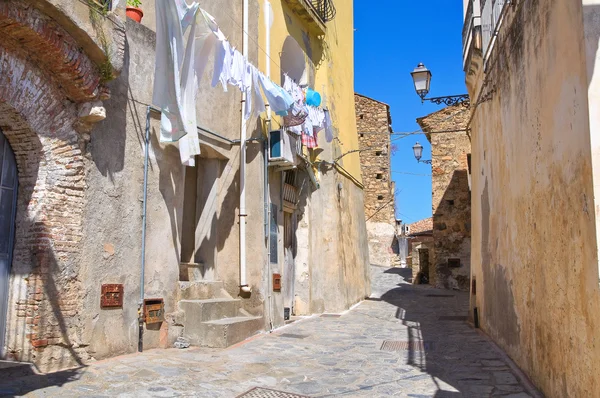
(45, 296)
(25, 29)
(373, 122)
(451, 198)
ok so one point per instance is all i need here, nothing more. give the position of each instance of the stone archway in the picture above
(49, 90)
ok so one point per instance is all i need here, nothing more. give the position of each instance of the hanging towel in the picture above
(257, 98)
(174, 83)
(279, 100)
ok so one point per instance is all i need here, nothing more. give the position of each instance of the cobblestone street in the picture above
(429, 351)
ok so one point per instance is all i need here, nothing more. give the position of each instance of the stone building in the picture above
(451, 196)
(374, 126)
(531, 69)
(75, 95)
(420, 249)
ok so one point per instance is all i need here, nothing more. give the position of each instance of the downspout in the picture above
(243, 144)
(267, 7)
(144, 213)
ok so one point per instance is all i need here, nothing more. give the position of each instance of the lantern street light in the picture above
(418, 151)
(422, 79)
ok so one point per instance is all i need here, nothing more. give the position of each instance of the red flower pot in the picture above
(135, 13)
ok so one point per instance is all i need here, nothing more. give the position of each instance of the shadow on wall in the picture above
(451, 227)
(107, 144)
(47, 287)
(172, 185)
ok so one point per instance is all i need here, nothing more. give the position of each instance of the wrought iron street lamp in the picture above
(418, 151)
(422, 79)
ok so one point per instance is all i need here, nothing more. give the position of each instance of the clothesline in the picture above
(179, 70)
(257, 43)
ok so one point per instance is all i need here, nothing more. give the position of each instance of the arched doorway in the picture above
(8, 201)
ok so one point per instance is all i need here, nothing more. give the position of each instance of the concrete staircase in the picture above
(208, 316)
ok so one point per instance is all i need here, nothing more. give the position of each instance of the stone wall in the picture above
(50, 92)
(451, 197)
(373, 124)
(534, 252)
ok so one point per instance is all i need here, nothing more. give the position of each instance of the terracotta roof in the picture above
(421, 227)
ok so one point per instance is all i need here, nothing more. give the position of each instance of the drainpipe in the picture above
(144, 213)
(267, 8)
(243, 144)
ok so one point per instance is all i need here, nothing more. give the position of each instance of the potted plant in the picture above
(134, 11)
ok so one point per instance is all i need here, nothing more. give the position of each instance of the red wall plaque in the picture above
(112, 296)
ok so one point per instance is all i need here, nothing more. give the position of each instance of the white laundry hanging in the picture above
(175, 82)
(279, 100)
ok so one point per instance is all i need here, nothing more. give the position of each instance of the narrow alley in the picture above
(405, 341)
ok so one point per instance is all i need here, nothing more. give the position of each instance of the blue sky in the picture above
(391, 38)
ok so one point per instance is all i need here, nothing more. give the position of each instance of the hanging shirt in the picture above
(279, 100)
(257, 98)
(223, 64)
(238, 71)
(175, 80)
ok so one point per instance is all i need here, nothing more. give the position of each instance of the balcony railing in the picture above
(325, 9)
(491, 20)
(471, 28)
(314, 12)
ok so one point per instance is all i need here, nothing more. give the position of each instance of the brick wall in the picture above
(373, 122)
(45, 78)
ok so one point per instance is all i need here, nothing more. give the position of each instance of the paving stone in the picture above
(340, 357)
(505, 378)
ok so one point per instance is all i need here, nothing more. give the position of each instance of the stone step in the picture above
(202, 290)
(196, 272)
(197, 311)
(225, 332)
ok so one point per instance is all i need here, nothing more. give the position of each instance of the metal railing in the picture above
(324, 8)
(491, 14)
(290, 194)
(472, 23)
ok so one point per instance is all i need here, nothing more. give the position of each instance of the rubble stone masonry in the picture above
(373, 122)
(451, 197)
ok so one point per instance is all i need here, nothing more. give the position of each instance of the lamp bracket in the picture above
(451, 100)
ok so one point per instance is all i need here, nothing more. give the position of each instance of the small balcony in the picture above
(290, 197)
(316, 13)
(471, 34)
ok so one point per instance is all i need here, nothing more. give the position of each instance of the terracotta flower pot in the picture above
(135, 13)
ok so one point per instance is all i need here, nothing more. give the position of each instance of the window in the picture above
(361, 117)
(379, 176)
(378, 153)
(362, 135)
(380, 197)
(454, 263)
(450, 202)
